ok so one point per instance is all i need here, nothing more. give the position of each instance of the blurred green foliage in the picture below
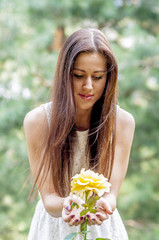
(27, 65)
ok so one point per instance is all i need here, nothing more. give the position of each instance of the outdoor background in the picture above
(31, 34)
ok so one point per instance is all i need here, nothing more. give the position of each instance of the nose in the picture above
(87, 84)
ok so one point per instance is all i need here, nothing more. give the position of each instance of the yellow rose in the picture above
(90, 182)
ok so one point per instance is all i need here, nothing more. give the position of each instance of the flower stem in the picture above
(85, 234)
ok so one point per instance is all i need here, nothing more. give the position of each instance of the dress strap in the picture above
(47, 108)
(117, 108)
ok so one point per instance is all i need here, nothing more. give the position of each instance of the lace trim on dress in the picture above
(47, 108)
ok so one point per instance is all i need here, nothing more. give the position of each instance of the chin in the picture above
(85, 108)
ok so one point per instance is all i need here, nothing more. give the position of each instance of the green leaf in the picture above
(71, 236)
(93, 210)
(84, 211)
(103, 239)
(85, 205)
(74, 204)
(92, 200)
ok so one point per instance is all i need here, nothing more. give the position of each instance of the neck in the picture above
(83, 120)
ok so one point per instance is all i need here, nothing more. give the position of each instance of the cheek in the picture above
(101, 87)
(76, 86)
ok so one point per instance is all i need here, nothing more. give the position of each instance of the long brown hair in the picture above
(101, 139)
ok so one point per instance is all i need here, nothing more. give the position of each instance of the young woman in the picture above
(82, 127)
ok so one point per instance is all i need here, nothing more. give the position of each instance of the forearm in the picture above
(53, 204)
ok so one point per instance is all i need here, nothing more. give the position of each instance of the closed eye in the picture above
(78, 76)
(97, 78)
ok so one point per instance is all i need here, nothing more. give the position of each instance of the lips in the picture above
(86, 96)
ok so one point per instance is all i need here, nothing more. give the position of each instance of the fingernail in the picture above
(72, 216)
(88, 216)
(68, 208)
(97, 215)
(77, 220)
(93, 219)
(81, 218)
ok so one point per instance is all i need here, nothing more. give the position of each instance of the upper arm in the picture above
(36, 130)
(35, 127)
(125, 126)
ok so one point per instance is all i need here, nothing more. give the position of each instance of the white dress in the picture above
(46, 227)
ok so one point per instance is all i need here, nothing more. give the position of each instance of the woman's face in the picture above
(89, 79)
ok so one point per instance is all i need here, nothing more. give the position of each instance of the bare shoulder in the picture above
(34, 118)
(125, 119)
(34, 122)
(125, 125)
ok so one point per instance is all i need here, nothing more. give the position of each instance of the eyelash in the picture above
(81, 76)
(78, 76)
(97, 78)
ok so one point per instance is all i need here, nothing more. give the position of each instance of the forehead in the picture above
(94, 60)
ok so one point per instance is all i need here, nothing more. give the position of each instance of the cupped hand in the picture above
(103, 212)
(72, 215)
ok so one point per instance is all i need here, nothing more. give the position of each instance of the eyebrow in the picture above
(94, 71)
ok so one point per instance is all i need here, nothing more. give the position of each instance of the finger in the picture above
(94, 221)
(77, 222)
(89, 224)
(104, 205)
(102, 217)
(65, 213)
(90, 219)
(82, 220)
(98, 221)
(68, 218)
(102, 214)
(73, 222)
(67, 204)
